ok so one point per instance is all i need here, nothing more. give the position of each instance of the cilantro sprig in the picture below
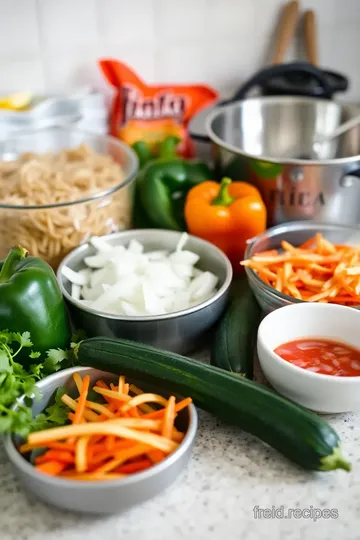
(16, 380)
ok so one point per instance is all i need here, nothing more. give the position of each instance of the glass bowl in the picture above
(296, 233)
(50, 230)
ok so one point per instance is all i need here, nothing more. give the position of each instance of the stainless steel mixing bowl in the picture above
(100, 497)
(179, 332)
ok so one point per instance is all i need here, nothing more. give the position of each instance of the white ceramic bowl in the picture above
(318, 392)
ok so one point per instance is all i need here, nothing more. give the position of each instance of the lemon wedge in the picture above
(16, 102)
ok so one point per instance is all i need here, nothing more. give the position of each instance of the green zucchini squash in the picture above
(233, 345)
(298, 434)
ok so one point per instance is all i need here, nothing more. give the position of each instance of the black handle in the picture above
(293, 68)
(352, 172)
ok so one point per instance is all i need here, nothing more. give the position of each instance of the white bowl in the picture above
(318, 392)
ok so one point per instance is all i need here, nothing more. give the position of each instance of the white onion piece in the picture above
(75, 291)
(182, 242)
(135, 247)
(184, 257)
(100, 244)
(202, 285)
(76, 278)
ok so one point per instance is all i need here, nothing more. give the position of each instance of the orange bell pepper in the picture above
(226, 215)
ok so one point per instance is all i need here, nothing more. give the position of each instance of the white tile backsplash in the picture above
(19, 37)
(67, 25)
(126, 21)
(53, 45)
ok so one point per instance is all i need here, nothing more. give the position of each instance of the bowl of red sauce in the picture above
(310, 353)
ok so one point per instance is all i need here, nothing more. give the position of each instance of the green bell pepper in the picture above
(31, 301)
(162, 186)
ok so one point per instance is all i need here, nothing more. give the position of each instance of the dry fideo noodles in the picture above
(59, 178)
(129, 281)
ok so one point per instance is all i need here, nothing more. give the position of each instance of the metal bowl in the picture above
(179, 332)
(100, 497)
(295, 233)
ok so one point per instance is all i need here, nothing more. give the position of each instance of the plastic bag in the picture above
(152, 112)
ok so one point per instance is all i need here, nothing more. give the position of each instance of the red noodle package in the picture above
(151, 113)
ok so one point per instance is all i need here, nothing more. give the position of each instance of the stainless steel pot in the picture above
(269, 141)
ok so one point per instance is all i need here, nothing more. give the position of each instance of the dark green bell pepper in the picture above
(31, 301)
(162, 186)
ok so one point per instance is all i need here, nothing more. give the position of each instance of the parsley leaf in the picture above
(4, 362)
(16, 380)
(54, 415)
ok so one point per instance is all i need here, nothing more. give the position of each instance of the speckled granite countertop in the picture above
(230, 473)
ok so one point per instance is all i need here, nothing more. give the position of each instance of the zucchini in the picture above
(234, 341)
(297, 433)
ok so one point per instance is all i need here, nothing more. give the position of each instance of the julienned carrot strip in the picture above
(144, 398)
(145, 407)
(71, 417)
(71, 403)
(133, 412)
(131, 468)
(122, 456)
(91, 477)
(78, 381)
(112, 427)
(160, 413)
(81, 454)
(52, 445)
(100, 457)
(80, 407)
(55, 455)
(156, 455)
(51, 467)
(111, 394)
(109, 443)
(169, 418)
(98, 407)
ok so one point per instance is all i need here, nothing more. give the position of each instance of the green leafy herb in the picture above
(54, 415)
(16, 380)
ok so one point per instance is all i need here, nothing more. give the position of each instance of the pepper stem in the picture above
(223, 198)
(15, 255)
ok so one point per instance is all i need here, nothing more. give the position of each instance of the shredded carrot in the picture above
(144, 398)
(100, 408)
(160, 413)
(169, 418)
(57, 455)
(81, 454)
(111, 394)
(71, 403)
(80, 407)
(121, 436)
(78, 381)
(132, 468)
(51, 467)
(316, 271)
(122, 456)
(156, 456)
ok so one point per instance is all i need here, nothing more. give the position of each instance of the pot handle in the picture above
(292, 68)
(345, 180)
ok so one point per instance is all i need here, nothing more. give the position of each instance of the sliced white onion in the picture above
(128, 281)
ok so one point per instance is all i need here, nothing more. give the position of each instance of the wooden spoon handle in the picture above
(310, 32)
(285, 31)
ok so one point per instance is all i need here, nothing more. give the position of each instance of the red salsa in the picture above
(322, 356)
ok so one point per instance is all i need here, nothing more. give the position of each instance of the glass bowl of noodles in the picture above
(59, 186)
